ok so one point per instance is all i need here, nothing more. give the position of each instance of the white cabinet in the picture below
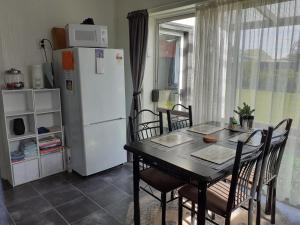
(52, 163)
(37, 108)
(26, 171)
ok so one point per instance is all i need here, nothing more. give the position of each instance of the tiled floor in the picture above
(70, 199)
(101, 199)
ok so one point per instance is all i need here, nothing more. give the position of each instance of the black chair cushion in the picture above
(160, 180)
(217, 196)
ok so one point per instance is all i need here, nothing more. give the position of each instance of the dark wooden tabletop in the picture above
(178, 160)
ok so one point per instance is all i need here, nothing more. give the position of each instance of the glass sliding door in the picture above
(174, 62)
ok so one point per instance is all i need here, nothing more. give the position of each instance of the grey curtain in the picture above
(138, 35)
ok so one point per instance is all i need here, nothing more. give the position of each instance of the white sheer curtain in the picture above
(249, 51)
(269, 78)
(269, 56)
(215, 30)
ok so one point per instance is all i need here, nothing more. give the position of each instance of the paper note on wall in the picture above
(67, 60)
(99, 54)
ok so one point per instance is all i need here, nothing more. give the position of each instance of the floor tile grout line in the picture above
(32, 197)
(101, 207)
(41, 195)
(56, 189)
(10, 216)
(129, 195)
(62, 204)
(67, 182)
(113, 184)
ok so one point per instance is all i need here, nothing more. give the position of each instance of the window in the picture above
(269, 58)
(174, 63)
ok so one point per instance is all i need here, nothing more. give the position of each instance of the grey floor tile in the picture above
(120, 210)
(73, 177)
(50, 217)
(116, 173)
(50, 183)
(33, 206)
(126, 184)
(91, 184)
(19, 194)
(98, 218)
(77, 209)
(5, 218)
(8, 222)
(128, 166)
(108, 195)
(63, 195)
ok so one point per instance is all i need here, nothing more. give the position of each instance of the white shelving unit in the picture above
(37, 108)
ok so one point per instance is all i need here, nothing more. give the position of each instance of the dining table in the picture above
(179, 161)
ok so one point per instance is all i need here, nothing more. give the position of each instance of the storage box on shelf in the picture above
(22, 158)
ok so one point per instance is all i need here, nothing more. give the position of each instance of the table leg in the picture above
(136, 189)
(201, 203)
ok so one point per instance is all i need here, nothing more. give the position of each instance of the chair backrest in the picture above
(274, 152)
(144, 130)
(244, 165)
(179, 119)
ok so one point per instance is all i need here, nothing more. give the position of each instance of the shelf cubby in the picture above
(53, 130)
(49, 120)
(55, 135)
(15, 146)
(18, 102)
(29, 124)
(47, 100)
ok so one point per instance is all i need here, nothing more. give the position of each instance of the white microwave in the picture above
(82, 35)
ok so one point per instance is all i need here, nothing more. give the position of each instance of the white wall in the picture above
(24, 22)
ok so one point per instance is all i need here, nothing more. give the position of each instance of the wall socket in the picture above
(38, 43)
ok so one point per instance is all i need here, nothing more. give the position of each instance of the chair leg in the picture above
(163, 208)
(268, 200)
(180, 210)
(273, 208)
(193, 213)
(227, 221)
(258, 212)
(250, 212)
(172, 195)
(212, 215)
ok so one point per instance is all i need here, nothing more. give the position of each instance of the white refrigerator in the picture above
(93, 102)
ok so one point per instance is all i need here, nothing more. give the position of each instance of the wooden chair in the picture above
(179, 119)
(222, 197)
(152, 176)
(270, 168)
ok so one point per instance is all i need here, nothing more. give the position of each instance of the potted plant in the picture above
(245, 115)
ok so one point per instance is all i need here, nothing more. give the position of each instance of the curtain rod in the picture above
(199, 3)
(173, 5)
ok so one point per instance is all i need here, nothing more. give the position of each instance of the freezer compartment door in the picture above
(104, 145)
(102, 90)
